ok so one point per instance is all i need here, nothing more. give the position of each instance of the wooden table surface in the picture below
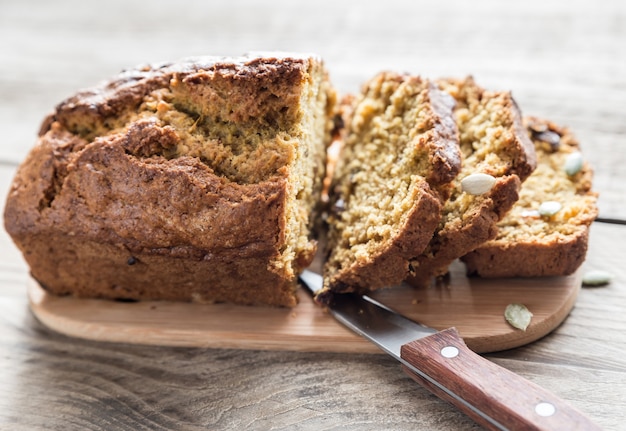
(562, 60)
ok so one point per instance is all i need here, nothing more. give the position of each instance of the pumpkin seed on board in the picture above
(518, 316)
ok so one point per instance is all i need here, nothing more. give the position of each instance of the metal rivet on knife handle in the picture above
(449, 352)
(545, 409)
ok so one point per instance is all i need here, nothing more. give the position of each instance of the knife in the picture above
(494, 397)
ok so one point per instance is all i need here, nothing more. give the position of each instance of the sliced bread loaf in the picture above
(533, 238)
(392, 176)
(497, 156)
(194, 180)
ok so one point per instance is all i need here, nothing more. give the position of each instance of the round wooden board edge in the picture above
(45, 307)
(343, 341)
(534, 332)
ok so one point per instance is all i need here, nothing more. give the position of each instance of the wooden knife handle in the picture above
(493, 396)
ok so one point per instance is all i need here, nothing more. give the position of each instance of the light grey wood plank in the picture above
(562, 60)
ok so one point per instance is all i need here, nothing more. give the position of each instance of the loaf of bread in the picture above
(546, 232)
(191, 181)
(399, 156)
(497, 153)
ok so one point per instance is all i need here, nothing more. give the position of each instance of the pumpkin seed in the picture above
(573, 163)
(518, 316)
(596, 278)
(549, 208)
(477, 184)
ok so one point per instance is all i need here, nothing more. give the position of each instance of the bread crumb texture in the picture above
(399, 155)
(492, 142)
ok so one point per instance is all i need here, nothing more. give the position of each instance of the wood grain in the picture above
(491, 395)
(562, 60)
(474, 306)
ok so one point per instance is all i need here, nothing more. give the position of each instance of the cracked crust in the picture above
(185, 181)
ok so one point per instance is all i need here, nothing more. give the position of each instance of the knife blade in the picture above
(494, 397)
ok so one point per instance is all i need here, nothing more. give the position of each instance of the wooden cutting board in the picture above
(474, 306)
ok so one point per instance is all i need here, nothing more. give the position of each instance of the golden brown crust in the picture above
(264, 87)
(126, 275)
(527, 244)
(529, 259)
(444, 156)
(114, 203)
(493, 141)
(103, 193)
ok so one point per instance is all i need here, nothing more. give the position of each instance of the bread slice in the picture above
(392, 175)
(529, 244)
(194, 180)
(494, 142)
